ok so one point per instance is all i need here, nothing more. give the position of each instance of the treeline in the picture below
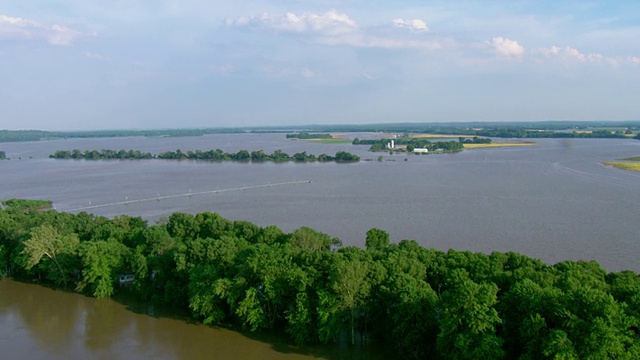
(473, 128)
(211, 155)
(36, 135)
(305, 135)
(425, 303)
(3, 155)
(563, 129)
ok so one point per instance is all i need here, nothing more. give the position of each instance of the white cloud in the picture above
(335, 28)
(412, 24)
(506, 47)
(60, 35)
(572, 55)
(329, 23)
(569, 53)
(16, 27)
(19, 22)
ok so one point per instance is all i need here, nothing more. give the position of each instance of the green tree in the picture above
(377, 239)
(351, 286)
(468, 321)
(242, 155)
(411, 318)
(258, 156)
(309, 239)
(212, 225)
(101, 263)
(182, 226)
(208, 293)
(46, 241)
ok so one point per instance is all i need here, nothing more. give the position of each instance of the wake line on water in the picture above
(189, 194)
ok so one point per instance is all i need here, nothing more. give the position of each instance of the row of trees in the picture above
(210, 155)
(475, 140)
(303, 135)
(102, 154)
(423, 302)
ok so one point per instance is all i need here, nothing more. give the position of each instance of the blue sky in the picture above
(134, 64)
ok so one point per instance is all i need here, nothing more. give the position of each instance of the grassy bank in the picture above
(624, 165)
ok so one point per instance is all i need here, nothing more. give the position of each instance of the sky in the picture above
(144, 64)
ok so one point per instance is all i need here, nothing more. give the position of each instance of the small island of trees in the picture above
(409, 144)
(210, 155)
(424, 303)
(303, 135)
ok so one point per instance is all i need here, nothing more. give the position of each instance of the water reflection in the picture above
(41, 323)
(50, 323)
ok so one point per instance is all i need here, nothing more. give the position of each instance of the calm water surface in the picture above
(40, 323)
(553, 201)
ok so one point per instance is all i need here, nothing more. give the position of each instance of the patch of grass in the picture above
(634, 158)
(494, 145)
(629, 166)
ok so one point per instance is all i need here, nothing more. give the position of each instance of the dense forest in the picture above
(423, 302)
(210, 155)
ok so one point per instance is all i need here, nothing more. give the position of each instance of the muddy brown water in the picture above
(37, 322)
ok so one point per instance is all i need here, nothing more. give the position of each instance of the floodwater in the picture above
(40, 323)
(554, 201)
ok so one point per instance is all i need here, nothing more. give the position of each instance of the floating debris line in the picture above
(188, 194)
